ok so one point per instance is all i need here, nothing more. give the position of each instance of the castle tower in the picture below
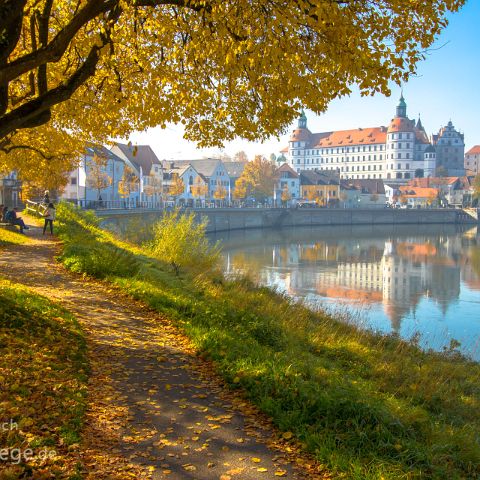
(429, 161)
(299, 141)
(400, 145)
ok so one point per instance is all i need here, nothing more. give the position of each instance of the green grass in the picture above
(367, 406)
(9, 237)
(43, 375)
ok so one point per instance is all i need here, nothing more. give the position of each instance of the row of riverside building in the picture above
(212, 182)
(350, 168)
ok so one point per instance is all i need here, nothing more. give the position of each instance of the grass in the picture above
(9, 237)
(43, 375)
(367, 406)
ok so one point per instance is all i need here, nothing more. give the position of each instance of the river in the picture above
(415, 281)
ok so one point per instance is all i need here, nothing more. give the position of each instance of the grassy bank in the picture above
(43, 372)
(9, 237)
(368, 407)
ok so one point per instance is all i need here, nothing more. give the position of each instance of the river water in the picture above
(421, 281)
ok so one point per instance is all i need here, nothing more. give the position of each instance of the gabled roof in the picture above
(371, 186)
(314, 177)
(102, 152)
(234, 169)
(204, 166)
(418, 192)
(287, 168)
(474, 150)
(140, 156)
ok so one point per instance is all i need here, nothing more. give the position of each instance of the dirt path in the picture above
(155, 409)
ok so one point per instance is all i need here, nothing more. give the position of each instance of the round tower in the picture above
(400, 145)
(429, 161)
(298, 143)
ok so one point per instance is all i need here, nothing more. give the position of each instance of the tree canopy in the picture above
(73, 71)
(257, 180)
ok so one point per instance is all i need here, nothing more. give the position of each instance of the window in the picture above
(73, 181)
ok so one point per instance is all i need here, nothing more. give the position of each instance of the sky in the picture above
(446, 87)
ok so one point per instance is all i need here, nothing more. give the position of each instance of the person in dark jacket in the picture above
(14, 219)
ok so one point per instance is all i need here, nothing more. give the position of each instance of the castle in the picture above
(395, 153)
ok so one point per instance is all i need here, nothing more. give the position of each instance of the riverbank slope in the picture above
(366, 406)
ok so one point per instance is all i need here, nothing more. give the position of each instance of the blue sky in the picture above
(446, 87)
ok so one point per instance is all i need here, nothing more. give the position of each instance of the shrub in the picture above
(181, 242)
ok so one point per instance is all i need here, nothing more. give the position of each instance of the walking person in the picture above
(49, 216)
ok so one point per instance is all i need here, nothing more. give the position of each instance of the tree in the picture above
(97, 178)
(441, 171)
(419, 173)
(199, 188)
(177, 186)
(374, 198)
(181, 242)
(285, 196)
(431, 198)
(257, 179)
(153, 186)
(98, 69)
(220, 193)
(128, 183)
(476, 188)
(240, 156)
(403, 199)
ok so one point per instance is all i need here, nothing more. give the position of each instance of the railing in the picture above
(36, 208)
(125, 204)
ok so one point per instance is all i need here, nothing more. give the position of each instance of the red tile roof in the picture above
(474, 150)
(345, 138)
(401, 124)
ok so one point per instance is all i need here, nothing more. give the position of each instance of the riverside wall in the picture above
(225, 219)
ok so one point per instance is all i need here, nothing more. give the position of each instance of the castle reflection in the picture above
(394, 267)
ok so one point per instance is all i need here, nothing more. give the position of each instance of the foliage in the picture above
(181, 242)
(285, 196)
(240, 156)
(419, 173)
(97, 178)
(199, 188)
(128, 183)
(257, 180)
(441, 172)
(476, 186)
(367, 406)
(153, 186)
(43, 373)
(94, 70)
(374, 197)
(177, 186)
(220, 192)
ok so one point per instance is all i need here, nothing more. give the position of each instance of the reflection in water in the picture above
(406, 279)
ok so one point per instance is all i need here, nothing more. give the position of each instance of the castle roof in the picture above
(401, 124)
(345, 138)
(301, 135)
(474, 150)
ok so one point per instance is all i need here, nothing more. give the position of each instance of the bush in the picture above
(181, 242)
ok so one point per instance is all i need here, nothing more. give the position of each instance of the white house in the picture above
(83, 183)
(147, 169)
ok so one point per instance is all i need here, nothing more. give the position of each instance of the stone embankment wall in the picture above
(224, 219)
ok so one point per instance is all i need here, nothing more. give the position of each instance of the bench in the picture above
(9, 226)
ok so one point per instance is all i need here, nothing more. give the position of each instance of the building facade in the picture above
(472, 161)
(397, 153)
